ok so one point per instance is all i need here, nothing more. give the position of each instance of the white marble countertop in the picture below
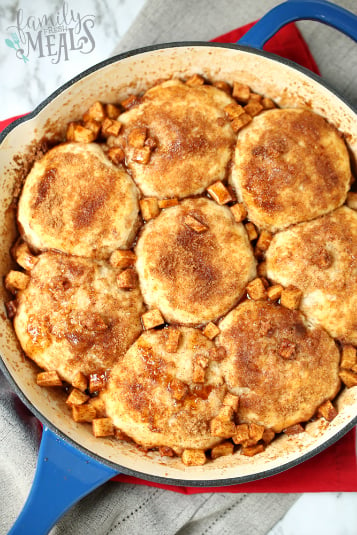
(24, 84)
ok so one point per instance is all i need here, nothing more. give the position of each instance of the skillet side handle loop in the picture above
(293, 10)
(63, 476)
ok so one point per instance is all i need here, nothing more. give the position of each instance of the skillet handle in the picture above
(292, 10)
(63, 476)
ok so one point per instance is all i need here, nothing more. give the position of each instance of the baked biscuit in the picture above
(320, 258)
(194, 139)
(73, 317)
(290, 166)
(152, 395)
(76, 201)
(194, 262)
(281, 367)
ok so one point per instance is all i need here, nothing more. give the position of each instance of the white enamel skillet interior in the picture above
(92, 460)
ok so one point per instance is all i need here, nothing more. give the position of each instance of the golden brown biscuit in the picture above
(194, 140)
(282, 368)
(73, 316)
(194, 262)
(153, 398)
(76, 201)
(290, 166)
(320, 258)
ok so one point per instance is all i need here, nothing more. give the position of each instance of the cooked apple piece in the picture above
(110, 127)
(268, 103)
(172, 340)
(77, 397)
(348, 377)
(199, 369)
(127, 279)
(149, 208)
(225, 448)
(250, 451)
(234, 110)
(122, 258)
(83, 413)
(142, 155)
(240, 122)
(194, 224)
(193, 457)
(256, 289)
(232, 401)
(99, 405)
(348, 359)
(222, 428)
(241, 434)
(268, 436)
(211, 330)
(327, 411)
(112, 111)
(80, 134)
(241, 92)
(167, 203)
(152, 318)
(264, 240)
(239, 212)
(16, 280)
(253, 107)
(178, 389)
(102, 427)
(94, 126)
(23, 256)
(195, 80)
(165, 451)
(294, 429)
(50, 378)
(130, 101)
(137, 137)
(291, 297)
(223, 86)
(219, 193)
(251, 231)
(97, 382)
(256, 432)
(116, 155)
(95, 112)
(274, 292)
(80, 381)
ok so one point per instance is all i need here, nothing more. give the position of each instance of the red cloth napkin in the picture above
(334, 469)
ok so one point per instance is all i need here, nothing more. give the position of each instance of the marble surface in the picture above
(24, 84)
(52, 59)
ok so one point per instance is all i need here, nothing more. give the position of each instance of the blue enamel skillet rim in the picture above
(75, 470)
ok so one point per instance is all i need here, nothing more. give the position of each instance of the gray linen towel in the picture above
(118, 508)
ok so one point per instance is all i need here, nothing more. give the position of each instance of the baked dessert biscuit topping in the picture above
(290, 166)
(72, 316)
(281, 367)
(194, 271)
(76, 201)
(154, 397)
(320, 258)
(194, 139)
